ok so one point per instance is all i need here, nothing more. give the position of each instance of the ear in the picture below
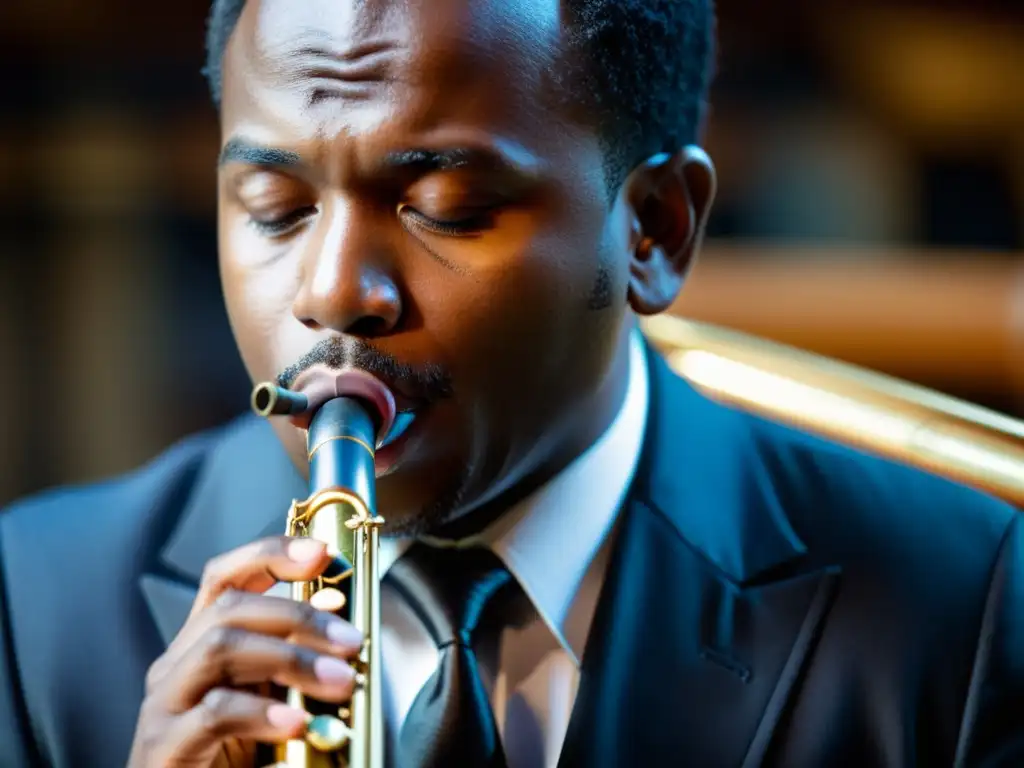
(669, 199)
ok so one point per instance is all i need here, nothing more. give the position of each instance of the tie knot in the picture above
(453, 591)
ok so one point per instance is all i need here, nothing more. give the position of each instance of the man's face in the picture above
(403, 190)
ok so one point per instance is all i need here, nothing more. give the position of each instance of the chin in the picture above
(416, 503)
(416, 492)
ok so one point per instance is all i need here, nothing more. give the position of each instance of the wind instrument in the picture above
(346, 415)
(848, 404)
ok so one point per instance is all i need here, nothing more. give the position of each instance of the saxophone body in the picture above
(342, 434)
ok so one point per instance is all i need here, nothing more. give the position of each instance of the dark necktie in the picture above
(461, 596)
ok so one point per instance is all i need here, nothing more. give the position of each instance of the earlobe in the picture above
(654, 283)
(670, 198)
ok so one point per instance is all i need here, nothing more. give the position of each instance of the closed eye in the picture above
(283, 224)
(464, 227)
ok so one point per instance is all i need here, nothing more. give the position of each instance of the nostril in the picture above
(368, 327)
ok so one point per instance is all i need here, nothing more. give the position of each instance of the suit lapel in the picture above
(708, 610)
(242, 494)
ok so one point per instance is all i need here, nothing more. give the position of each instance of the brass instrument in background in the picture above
(341, 440)
(851, 405)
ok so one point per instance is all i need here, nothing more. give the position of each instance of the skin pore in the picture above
(402, 189)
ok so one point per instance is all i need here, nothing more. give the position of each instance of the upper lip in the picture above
(406, 401)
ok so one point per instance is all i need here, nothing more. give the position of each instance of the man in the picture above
(473, 200)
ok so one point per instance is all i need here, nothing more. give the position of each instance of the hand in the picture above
(201, 709)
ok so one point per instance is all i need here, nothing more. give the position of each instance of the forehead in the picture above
(330, 66)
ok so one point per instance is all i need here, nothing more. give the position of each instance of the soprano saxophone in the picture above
(345, 416)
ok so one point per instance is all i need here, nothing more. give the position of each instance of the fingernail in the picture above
(343, 633)
(304, 550)
(330, 670)
(285, 717)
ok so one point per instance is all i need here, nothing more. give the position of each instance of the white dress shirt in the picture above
(556, 544)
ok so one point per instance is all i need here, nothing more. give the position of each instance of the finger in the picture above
(223, 714)
(233, 658)
(277, 617)
(258, 566)
(291, 620)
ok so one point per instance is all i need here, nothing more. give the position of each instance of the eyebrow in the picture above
(248, 153)
(239, 150)
(430, 160)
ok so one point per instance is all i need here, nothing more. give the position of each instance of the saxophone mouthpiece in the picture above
(271, 400)
(319, 384)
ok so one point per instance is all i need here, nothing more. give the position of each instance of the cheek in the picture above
(258, 299)
(520, 324)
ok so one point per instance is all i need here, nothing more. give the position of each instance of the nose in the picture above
(347, 286)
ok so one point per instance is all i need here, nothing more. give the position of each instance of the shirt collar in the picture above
(549, 540)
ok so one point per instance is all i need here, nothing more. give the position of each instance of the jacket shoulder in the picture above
(878, 491)
(932, 569)
(934, 543)
(63, 512)
(76, 552)
(105, 533)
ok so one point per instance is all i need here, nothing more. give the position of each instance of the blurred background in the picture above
(871, 208)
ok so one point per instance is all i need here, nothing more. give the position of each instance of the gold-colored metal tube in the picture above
(851, 405)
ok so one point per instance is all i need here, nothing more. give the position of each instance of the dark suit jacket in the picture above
(773, 600)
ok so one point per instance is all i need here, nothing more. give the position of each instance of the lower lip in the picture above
(388, 457)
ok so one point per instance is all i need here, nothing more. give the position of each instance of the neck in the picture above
(582, 432)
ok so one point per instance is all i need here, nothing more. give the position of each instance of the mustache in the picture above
(429, 382)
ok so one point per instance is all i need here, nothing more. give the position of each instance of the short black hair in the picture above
(644, 73)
